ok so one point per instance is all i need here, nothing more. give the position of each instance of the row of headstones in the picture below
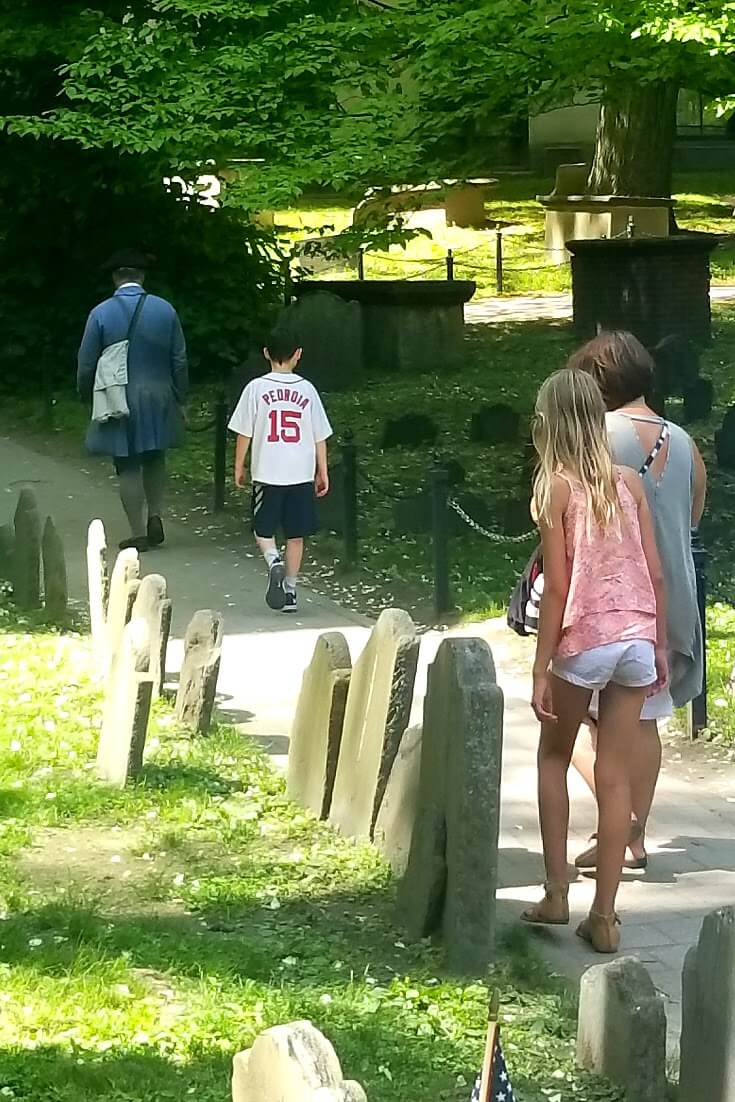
(622, 1021)
(428, 797)
(130, 622)
(26, 546)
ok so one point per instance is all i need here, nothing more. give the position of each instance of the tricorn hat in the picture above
(127, 258)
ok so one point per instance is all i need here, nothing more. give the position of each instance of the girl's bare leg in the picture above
(645, 765)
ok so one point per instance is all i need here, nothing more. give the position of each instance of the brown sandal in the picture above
(553, 910)
(588, 859)
(601, 932)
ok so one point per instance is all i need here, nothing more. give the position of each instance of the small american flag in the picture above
(493, 1085)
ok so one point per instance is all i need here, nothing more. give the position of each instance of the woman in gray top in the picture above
(675, 481)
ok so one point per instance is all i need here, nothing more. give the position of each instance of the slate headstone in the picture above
(725, 441)
(699, 398)
(395, 821)
(316, 734)
(677, 364)
(7, 552)
(378, 706)
(411, 430)
(451, 877)
(707, 1067)
(127, 708)
(295, 1063)
(495, 424)
(27, 552)
(621, 1032)
(331, 335)
(148, 606)
(97, 583)
(55, 586)
(166, 616)
(199, 671)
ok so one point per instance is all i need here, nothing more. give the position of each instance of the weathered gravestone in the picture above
(55, 587)
(378, 707)
(621, 1031)
(496, 424)
(7, 552)
(410, 430)
(699, 399)
(199, 671)
(166, 616)
(127, 708)
(123, 585)
(97, 582)
(316, 734)
(725, 441)
(27, 552)
(292, 1063)
(330, 332)
(149, 606)
(451, 877)
(394, 825)
(707, 1067)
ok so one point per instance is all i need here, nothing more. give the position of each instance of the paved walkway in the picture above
(552, 307)
(693, 852)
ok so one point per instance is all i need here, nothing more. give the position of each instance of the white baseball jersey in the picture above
(283, 415)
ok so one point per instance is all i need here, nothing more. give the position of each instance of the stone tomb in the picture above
(451, 876)
(292, 1063)
(378, 708)
(708, 1012)
(316, 734)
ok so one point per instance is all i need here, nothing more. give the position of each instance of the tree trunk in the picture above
(634, 150)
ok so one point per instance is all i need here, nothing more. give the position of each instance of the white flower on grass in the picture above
(275, 904)
(35, 942)
(15, 747)
(50, 795)
(179, 879)
(326, 1000)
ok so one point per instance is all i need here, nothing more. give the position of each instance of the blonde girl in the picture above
(602, 628)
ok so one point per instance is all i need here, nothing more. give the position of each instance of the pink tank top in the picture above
(611, 597)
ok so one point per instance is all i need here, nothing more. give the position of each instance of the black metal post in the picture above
(349, 499)
(360, 263)
(287, 282)
(450, 265)
(220, 452)
(440, 532)
(499, 261)
(699, 705)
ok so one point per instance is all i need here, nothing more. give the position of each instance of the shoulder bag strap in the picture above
(651, 458)
(136, 314)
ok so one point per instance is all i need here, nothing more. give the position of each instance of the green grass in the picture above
(203, 907)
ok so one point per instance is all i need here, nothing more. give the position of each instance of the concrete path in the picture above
(692, 868)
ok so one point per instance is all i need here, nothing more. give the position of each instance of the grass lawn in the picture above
(704, 202)
(147, 935)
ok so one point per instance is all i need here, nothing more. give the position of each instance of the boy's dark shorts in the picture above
(290, 509)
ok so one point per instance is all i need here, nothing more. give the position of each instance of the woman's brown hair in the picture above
(619, 364)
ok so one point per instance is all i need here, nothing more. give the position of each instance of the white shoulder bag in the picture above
(109, 397)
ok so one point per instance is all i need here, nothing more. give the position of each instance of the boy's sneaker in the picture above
(291, 605)
(275, 594)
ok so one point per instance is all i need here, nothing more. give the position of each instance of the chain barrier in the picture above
(377, 489)
(494, 537)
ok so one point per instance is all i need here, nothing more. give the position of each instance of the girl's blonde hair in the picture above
(570, 436)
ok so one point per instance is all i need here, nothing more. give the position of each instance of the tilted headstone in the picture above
(316, 734)
(55, 586)
(378, 707)
(148, 606)
(621, 1032)
(395, 822)
(124, 574)
(166, 615)
(27, 552)
(97, 583)
(7, 552)
(199, 671)
(127, 708)
(451, 877)
(707, 1068)
(295, 1063)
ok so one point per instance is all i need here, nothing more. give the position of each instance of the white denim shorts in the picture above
(658, 706)
(631, 663)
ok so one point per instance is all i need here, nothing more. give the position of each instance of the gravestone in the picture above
(725, 441)
(127, 708)
(166, 615)
(55, 587)
(124, 579)
(708, 1012)
(621, 1032)
(27, 552)
(411, 430)
(199, 671)
(7, 552)
(330, 333)
(451, 876)
(316, 734)
(148, 606)
(295, 1063)
(378, 706)
(394, 823)
(677, 364)
(699, 399)
(495, 424)
(97, 582)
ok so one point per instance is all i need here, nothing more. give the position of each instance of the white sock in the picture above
(271, 556)
(290, 585)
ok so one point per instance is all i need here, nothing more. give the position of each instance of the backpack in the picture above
(525, 600)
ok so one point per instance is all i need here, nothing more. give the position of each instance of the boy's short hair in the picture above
(620, 365)
(282, 346)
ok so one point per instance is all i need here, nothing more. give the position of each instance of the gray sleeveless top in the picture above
(669, 495)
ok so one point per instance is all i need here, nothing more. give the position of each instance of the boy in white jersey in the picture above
(281, 420)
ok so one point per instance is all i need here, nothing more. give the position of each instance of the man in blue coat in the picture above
(156, 391)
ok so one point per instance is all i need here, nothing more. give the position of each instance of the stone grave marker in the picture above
(124, 574)
(97, 582)
(621, 1031)
(166, 615)
(127, 708)
(7, 552)
(292, 1062)
(411, 430)
(495, 424)
(397, 815)
(378, 706)
(316, 734)
(148, 606)
(725, 441)
(330, 331)
(27, 552)
(451, 876)
(707, 1068)
(199, 671)
(699, 399)
(55, 586)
